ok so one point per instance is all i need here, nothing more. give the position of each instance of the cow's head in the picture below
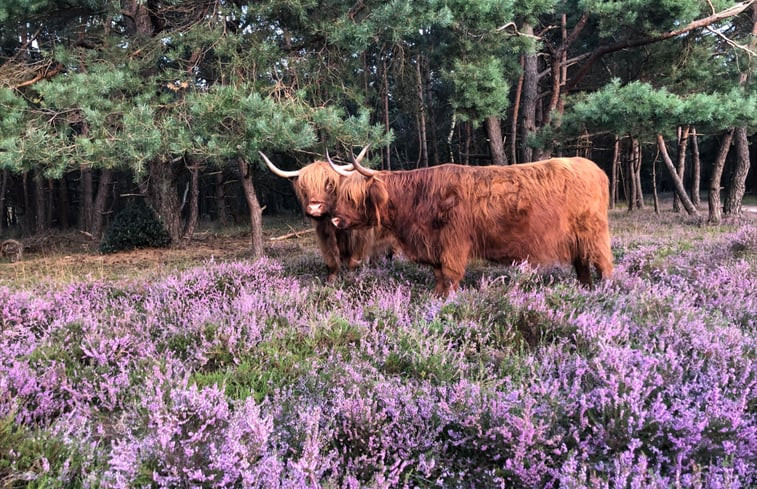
(360, 202)
(315, 185)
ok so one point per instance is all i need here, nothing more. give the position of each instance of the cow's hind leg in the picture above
(583, 271)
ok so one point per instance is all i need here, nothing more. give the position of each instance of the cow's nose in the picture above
(336, 222)
(316, 209)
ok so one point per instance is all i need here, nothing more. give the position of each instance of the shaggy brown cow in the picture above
(315, 185)
(552, 211)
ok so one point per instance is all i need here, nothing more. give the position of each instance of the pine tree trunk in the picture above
(713, 196)
(530, 98)
(39, 203)
(3, 187)
(677, 183)
(388, 149)
(614, 173)
(637, 174)
(256, 213)
(683, 140)
(696, 168)
(164, 197)
(101, 201)
(86, 191)
(514, 123)
(223, 218)
(632, 190)
(737, 188)
(496, 142)
(26, 221)
(63, 207)
(194, 201)
(654, 187)
(421, 113)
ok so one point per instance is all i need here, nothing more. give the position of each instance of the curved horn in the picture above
(362, 153)
(278, 171)
(345, 171)
(361, 169)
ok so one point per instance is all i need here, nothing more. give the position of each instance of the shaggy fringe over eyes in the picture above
(317, 176)
(355, 191)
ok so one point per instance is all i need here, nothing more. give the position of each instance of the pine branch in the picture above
(633, 43)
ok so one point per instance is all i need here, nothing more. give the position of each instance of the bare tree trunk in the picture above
(388, 149)
(468, 139)
(223, 218)
(633, 189)
(39, 203)
(713, 196)
(26, 221)
(677, 183)
(737, 188)
(696, 168)
(434, 150)
(86, 191)
(194, 200)
(256, 213)
(101, 201)
(530, 98)
(516, 110)
(63, 207)
(164, 197)
(683, 140)
(496, 142)
(614, 173)
(637, 174)
(421, 113)
(3, 188)
(654, 185)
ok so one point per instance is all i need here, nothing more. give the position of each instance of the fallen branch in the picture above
(293, 234)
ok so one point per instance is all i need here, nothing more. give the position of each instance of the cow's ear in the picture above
(378, 199)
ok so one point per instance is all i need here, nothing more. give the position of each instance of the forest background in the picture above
(105, 102)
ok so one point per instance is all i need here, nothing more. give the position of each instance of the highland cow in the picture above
(315, 186)
(547, 212)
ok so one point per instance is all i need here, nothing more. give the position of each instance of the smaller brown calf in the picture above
(12, 249)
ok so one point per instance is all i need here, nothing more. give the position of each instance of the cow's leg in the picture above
(452, 269)
(326, 237)
(583, 271)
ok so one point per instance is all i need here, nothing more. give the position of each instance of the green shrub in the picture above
(136, 226)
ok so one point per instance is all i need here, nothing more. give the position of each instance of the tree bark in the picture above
(516, 110)
(421, 113)
(614, 173)
(223, 218)
(3, 187)
(385, 94)
(637, 174)
(713, 196)
(194, 201)
(496, 141)
(683, 140)
(164, 197)
(677, 183)
(737, 187)
(39, 203)
(696, 168)
(256, 213)
(86, 191)
(530, 98)
(101, 201)
(654, 186)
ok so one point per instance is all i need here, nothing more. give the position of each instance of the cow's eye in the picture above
(330, 186)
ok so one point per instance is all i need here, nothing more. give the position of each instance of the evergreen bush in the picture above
(136, 226)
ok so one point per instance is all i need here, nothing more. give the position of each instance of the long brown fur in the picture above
(548, 212)
(316, 187)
